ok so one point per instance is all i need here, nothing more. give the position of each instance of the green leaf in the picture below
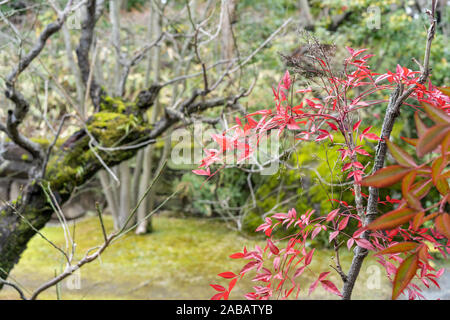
(420, 189)
(400, 155)
(445, 90)
(421, 127)
(392, 219)
(431, 139)
(436, 168)
(436, 114)
(412, 201)
(405, 273)
(410, 141)
(418, 220)
(400, 247)
(385, 177)
(442, 222)
(446, 144)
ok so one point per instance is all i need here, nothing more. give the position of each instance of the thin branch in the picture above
(84, 45)
(393, 111)
(99, 249)
(16, 116)
(15, 287)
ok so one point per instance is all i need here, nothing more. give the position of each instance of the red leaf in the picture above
(299, 271)
(313, 287)
(273, 248)
(304, 90)
(249, 266)
(371, 136)
(330, 287)
(364, 243)
(350, 50)
(227, 275)
(356, 125)
(358, 165)
(237, 255)
(262, 112)
(346, 166)
(358, 52)
(251, 296)
(333, 235)
(323, 275)
(332, 214)
(362, 151)
(366, 130)
(421, 188)
(418, 220)
(232, 284)
(350, 243)
(310, 103)
(217, 296)
(292, 125)
(324, 136)
(308, 257)
(287, 80)
(217, 287)
(332, 125)
(315, 232)
(202, 172)
(343, 223)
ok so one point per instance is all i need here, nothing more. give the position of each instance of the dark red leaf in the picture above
(330, 287)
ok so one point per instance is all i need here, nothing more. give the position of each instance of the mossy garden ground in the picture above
(178, 261)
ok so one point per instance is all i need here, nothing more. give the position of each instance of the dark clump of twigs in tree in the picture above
(305, 59)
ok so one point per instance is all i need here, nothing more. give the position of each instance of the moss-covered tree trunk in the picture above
(117, 124)
(114, 134)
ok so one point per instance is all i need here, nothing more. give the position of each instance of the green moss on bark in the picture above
(117, 124)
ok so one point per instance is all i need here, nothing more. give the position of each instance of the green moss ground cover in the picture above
(178, 261)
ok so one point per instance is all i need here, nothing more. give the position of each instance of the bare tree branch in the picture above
(16, 116)
(83, 49)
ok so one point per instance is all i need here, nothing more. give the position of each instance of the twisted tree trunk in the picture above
(71, 166)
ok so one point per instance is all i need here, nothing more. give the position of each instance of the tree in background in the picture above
(112, 123)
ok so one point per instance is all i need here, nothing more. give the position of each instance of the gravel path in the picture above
(435, 293)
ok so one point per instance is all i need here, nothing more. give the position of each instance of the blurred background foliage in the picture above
(194, 233)
(399, 37)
